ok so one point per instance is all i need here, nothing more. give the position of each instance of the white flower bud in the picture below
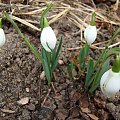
(2, 37)
(48, 39)
(90, 34)
(110, 83)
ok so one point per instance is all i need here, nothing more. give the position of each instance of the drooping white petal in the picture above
(48, 38)
(90, 34)
(2, 37)
(110, 83)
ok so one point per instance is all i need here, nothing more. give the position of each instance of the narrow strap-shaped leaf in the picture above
(53, 54)
(46, 66)
(90, 70)
(98, 76)
(117, 32)
(56, 55)
(86, 49)
(83, 55)
(105, 59)
(81, 58)
(59, 46)
(70, 68)
(24, 38)
(54, 64)
(47, 72)
(101, 57)
(113, 51)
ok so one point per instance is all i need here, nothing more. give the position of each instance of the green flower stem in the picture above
(92, 22)
(116, 65)
(0, 22)
(24, 38)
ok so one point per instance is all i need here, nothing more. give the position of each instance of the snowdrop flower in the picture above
(110, 83)
(2, 37)
(90, 32)
(48, 38)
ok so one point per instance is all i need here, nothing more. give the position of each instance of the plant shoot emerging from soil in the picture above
(92, 70)
(50, 54)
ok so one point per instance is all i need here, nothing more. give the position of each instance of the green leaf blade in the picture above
(90, 71)
(99, 74)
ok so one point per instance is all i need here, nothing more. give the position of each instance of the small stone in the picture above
(42, 75)
(61, 62)
(27, 90)
(23, 101)
(18, 80)
(31, 107)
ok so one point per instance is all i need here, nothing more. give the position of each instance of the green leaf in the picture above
(101, 57)
(47, 72)
(117, 32)
(113, 51)
(46, 66)
(53, 54)
(104, 65)
(35, 52)
(34, 47)
(98, 76)
(54, 64)
(83, 55)
(56, 55)
(59, 47)
(90, 70)
(70, 68)
(86, 49)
